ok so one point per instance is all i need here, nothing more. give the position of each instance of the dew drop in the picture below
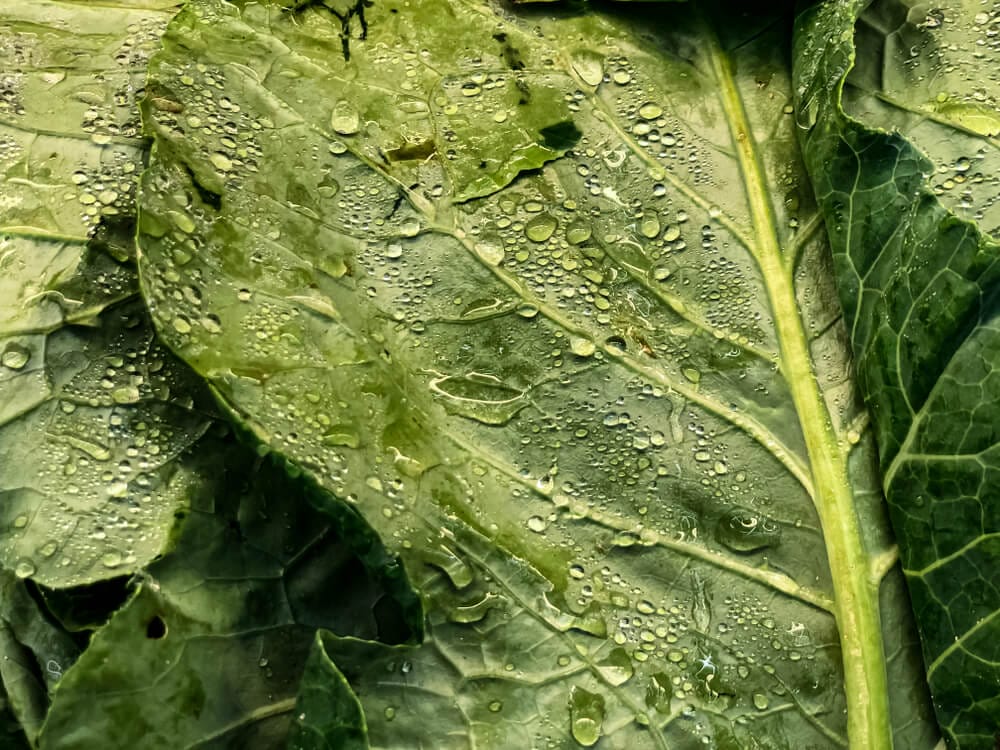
(586, 716)
(24, 568)
(540, 228)
(650, 111)
(537, 524)
(15, 356)
(345, 119)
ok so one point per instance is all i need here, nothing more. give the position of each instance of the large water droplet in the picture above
(15, 356)
(589, 66)
(586, 713)
(745, 530)
(345, 118)
(540, 228)
(484, 398)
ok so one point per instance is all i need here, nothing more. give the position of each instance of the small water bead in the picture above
(495, 706)
(760, 701)
(622, 77)
(672, 232)
(540, 228)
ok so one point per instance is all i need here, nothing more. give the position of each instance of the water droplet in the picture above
(496, 706)
(650, 111)
(453, 566)
(616, 667)
(490, 252)
(578, 232)
(221, 162)
(345, 119)
(111, 559)
(476, 611)
(540, 228)
(589, 66)
(537, 524)
(672, 232)
(586, 711)
(15, 356)
(621, 77)
(650, 227)
(484, 398)
(692, 375)
(582, 347)
(760, 701)
(745, 530)
(24, 568)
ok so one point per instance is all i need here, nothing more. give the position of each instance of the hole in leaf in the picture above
(156, 628)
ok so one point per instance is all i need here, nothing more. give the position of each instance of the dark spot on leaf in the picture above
(562, 136)
(522, 86)
(411, 150)
(156, 628)
(207, 196)
(617, 342)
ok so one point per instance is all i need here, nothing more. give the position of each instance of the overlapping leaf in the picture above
(210, 650)
(94, 415)
(913, 217)
(600, 404)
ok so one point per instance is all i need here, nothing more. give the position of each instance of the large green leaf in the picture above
(919, 285)
(544, 294)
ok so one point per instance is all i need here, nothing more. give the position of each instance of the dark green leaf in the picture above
(900, 173)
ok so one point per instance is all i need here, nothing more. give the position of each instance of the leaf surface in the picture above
(94, 415)
(906, 167)
(210, 650)
(600, 406)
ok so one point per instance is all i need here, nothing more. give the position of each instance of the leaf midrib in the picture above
(857, 606)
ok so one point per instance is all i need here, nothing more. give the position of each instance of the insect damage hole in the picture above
(156, 628)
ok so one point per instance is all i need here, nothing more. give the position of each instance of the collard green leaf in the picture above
(34, 653)
(902, 161)
(210, 650)
(94, 415)
(601, 408)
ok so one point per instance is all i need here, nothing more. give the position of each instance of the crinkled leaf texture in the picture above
(908, 179)
(106, 439)
(544, 294)
(211, 649)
